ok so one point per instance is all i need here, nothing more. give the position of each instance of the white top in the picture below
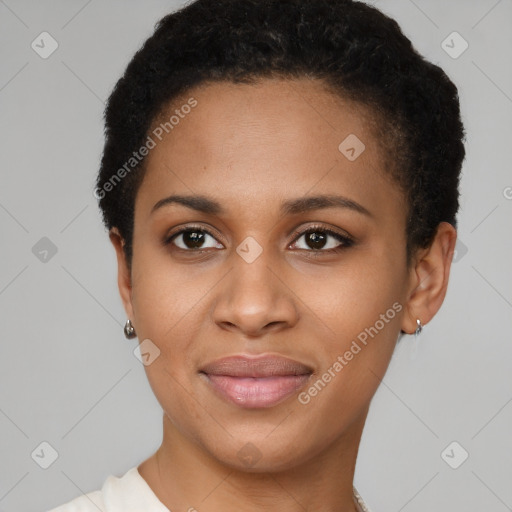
(131, 493)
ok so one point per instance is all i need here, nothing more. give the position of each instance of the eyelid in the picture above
(320, 227)
(345, 241)
(190, 227)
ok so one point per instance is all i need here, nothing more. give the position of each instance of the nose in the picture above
(254, 299)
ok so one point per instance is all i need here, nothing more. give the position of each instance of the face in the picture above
(260, 270)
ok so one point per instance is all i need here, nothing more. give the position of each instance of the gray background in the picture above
(70, 378)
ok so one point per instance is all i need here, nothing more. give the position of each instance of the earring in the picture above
(413, 349)
(129, 330)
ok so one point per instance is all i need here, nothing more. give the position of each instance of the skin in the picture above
(252, 147)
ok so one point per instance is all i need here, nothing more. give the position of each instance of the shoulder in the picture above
(100, 500)
(128, 493)
(90, 502)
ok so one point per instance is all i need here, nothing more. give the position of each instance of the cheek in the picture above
(165, 294)
(352, 366)
(354, 296)
(362, 308)
(165, 314)
(169, 310)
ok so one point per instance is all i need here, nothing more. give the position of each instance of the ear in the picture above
(429, 278)
(123, 272)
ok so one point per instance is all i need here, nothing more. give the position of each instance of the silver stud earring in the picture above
(419, 328)
(413, 349)
(129, 330)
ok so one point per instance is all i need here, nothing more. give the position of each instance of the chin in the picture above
(252, 453)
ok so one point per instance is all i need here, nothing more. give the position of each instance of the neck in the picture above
(185, 477)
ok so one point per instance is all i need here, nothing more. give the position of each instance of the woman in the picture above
(280, 185)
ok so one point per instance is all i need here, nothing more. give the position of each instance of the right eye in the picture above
(193, 239)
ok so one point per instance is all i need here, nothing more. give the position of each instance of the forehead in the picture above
(274, 139)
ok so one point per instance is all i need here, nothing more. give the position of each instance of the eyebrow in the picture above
(208, 205)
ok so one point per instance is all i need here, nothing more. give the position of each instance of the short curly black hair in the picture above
(353, 48)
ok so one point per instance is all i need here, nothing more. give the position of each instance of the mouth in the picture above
(256, 382)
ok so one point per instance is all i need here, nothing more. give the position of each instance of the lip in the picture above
(256, 381)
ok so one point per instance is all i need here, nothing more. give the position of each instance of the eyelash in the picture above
(345, 240)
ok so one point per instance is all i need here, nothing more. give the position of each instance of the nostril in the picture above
(273, 324)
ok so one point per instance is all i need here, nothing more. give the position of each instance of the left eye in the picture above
(318, 240)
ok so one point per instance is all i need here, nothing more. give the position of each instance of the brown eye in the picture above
(322, 240)
(193, 239)
(315, 240)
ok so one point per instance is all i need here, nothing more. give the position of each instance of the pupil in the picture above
(317, 240)
(193, 238)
